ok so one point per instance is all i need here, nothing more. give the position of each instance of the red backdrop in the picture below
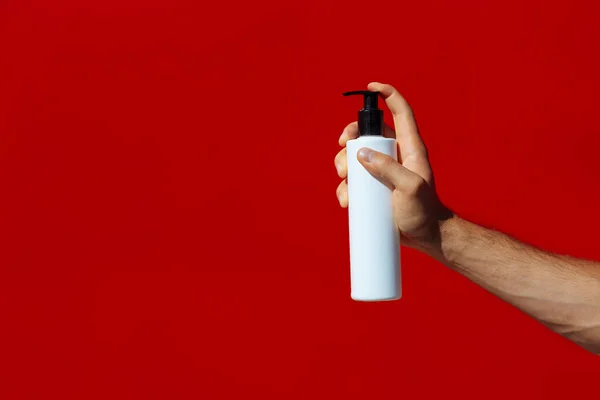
(168, 219)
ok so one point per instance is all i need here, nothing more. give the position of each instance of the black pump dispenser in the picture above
(370, 117)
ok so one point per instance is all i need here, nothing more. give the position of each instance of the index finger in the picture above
(407, 133)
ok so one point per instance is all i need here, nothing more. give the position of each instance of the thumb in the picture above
(387, 169)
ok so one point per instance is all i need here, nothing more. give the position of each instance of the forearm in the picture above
(562, 292)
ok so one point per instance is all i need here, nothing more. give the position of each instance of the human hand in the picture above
(417, 209)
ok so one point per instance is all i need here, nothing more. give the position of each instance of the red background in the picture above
(168, 220)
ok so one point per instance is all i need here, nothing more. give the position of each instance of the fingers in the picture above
(351, 132)
(414, 170)
(390, 171)
(341, 163)
(384, 167)
(342, 194)
(413, 152)
(407, 132)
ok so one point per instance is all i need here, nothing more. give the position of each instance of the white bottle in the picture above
(375, 271)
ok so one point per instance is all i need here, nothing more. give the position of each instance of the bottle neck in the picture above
(370, 122)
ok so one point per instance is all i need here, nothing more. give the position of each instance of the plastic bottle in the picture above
(375, 271)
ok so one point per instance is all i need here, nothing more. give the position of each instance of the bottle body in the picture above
(375, 270)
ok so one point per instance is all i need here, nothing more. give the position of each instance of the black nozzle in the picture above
(370, 98)
(370, 117)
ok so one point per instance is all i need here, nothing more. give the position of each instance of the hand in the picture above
(417, 209)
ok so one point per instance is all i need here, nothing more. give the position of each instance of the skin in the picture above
(559, 291)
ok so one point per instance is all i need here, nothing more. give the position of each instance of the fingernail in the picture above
(340, 198)
(338, 166)
(365, 154)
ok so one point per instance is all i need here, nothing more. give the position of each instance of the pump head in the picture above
(370, 117)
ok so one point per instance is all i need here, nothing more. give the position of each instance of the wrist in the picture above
(442, 228)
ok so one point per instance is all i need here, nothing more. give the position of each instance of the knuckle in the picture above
(385, 162)
(415, 186)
